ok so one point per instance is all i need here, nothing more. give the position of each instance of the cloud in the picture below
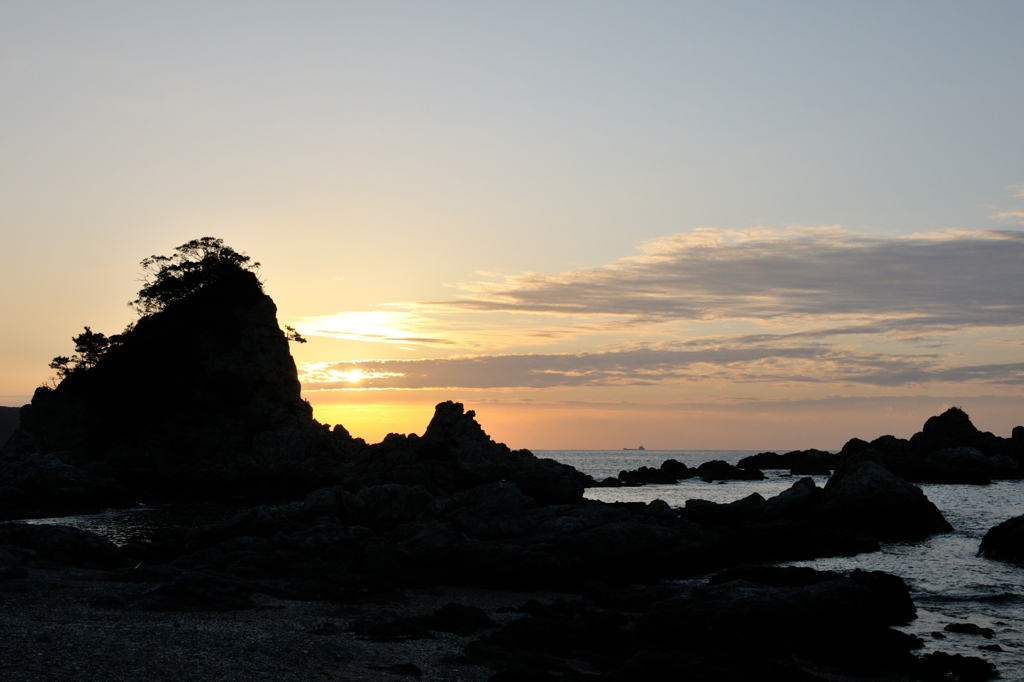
(1008, 215)
(944, 279)
(806, 364)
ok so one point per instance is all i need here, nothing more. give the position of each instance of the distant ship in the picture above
(639, 448)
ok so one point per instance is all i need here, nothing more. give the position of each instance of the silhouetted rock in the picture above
(749, 624)
(198, 399)
(799, 462)
(863, 494)
(717, 470)
(1005, 541)
(949, 449)
(670, 471)
(969, 629)
(456, 454)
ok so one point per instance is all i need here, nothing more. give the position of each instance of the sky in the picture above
(599, 225)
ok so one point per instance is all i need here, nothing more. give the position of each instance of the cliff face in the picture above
(191, 395)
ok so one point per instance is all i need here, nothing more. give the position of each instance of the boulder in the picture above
(670, 471)
(862, 494)
(1004, 542)
(718, 470)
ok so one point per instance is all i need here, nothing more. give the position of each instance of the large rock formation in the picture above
(949, 449)
(199, 398)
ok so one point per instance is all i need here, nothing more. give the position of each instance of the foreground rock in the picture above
(748, 622)
(761, 623)
(1004, 542)
(949, 449)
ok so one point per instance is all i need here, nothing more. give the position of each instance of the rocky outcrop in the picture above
(718, 470)
(949, 449)
(861, 499)
(201, 395)
(455, 454)
(799, 462)
(862, 494)
(752, 624)
(670, 471)
(1004, 542)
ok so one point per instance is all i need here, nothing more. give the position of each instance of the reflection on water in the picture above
(948, 582)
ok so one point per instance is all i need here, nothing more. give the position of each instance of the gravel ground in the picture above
(74, 625)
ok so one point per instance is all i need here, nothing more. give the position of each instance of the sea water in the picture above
(948, 581)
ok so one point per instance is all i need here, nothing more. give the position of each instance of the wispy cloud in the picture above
(805, 364)
(946, 279)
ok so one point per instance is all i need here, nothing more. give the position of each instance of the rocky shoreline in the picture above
(444, 556)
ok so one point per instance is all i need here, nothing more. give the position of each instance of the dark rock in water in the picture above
(799, 462)
(670, 471)
(792, 503)
(62, 544)
(969, 629)
(9, 419)
(941, 666)
(718, 514)
(814, 463)
(949, 449)
(863, 494)
(717, 470)
(1005, 541)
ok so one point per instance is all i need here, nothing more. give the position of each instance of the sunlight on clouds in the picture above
(312, 374)
(380, 326)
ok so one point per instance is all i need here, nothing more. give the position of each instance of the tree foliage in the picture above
(194, 265)
(89, 347)
(167, 279)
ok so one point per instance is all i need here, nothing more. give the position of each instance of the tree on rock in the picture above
(89, 346)
(195, 265)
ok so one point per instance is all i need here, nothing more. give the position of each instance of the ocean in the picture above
(948, 582)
